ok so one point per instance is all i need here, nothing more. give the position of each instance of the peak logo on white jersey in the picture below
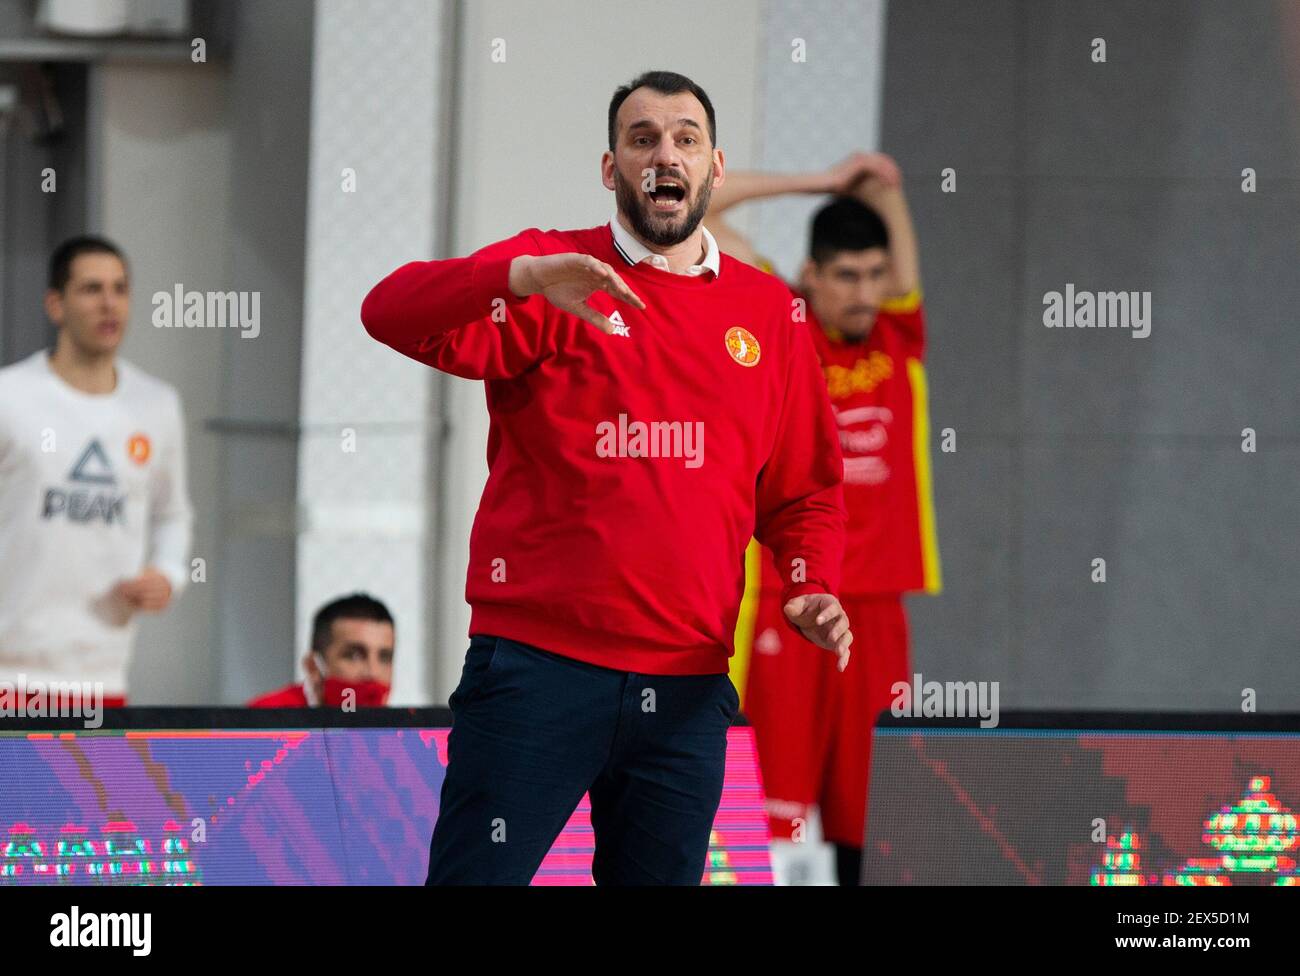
(85, 504)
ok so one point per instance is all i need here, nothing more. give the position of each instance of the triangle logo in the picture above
(93, 466)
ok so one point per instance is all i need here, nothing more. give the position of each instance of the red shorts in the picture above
(812, 724)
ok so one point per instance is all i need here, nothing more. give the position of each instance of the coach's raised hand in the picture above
(822, 620)
(567, 281)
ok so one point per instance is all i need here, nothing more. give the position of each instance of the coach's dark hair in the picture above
(358, 606)
(71, 249)
(845, 224)
(665, 83)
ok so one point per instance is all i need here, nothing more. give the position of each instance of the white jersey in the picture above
(92, 490)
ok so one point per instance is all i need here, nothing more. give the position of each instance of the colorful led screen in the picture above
(285, 806)
(1103, 808)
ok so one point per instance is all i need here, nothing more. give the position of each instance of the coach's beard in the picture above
(661, 230)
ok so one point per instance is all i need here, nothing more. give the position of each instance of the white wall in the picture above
(364, 501)
(815, 110)
(164, 152)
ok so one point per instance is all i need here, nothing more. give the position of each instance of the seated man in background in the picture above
(351, 658)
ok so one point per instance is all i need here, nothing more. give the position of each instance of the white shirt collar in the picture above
(634, 252)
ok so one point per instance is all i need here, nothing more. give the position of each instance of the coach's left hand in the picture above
(822, 620)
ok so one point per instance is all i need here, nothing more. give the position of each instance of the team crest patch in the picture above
(742, 346)
(138, 448)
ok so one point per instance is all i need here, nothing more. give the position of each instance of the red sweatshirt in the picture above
(627, 472)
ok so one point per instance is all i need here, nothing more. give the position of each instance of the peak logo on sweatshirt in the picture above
(620, 329)
(96, 503)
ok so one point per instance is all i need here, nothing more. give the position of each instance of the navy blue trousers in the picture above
(532, 731)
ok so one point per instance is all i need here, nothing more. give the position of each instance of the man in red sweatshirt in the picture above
(653, 403)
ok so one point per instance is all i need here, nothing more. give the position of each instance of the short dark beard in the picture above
(634, 205)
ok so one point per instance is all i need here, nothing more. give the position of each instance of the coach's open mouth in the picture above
(667, 195)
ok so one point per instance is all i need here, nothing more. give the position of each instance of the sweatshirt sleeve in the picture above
(459, 314)
(170, 515)
(800, 513)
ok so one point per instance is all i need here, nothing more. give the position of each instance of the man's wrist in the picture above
(806, 588)
(822, 181)
(875, 192)
(520, 280)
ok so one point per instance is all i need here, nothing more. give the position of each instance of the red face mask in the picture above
(365, 694)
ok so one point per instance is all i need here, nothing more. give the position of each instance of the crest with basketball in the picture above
(742, 346)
